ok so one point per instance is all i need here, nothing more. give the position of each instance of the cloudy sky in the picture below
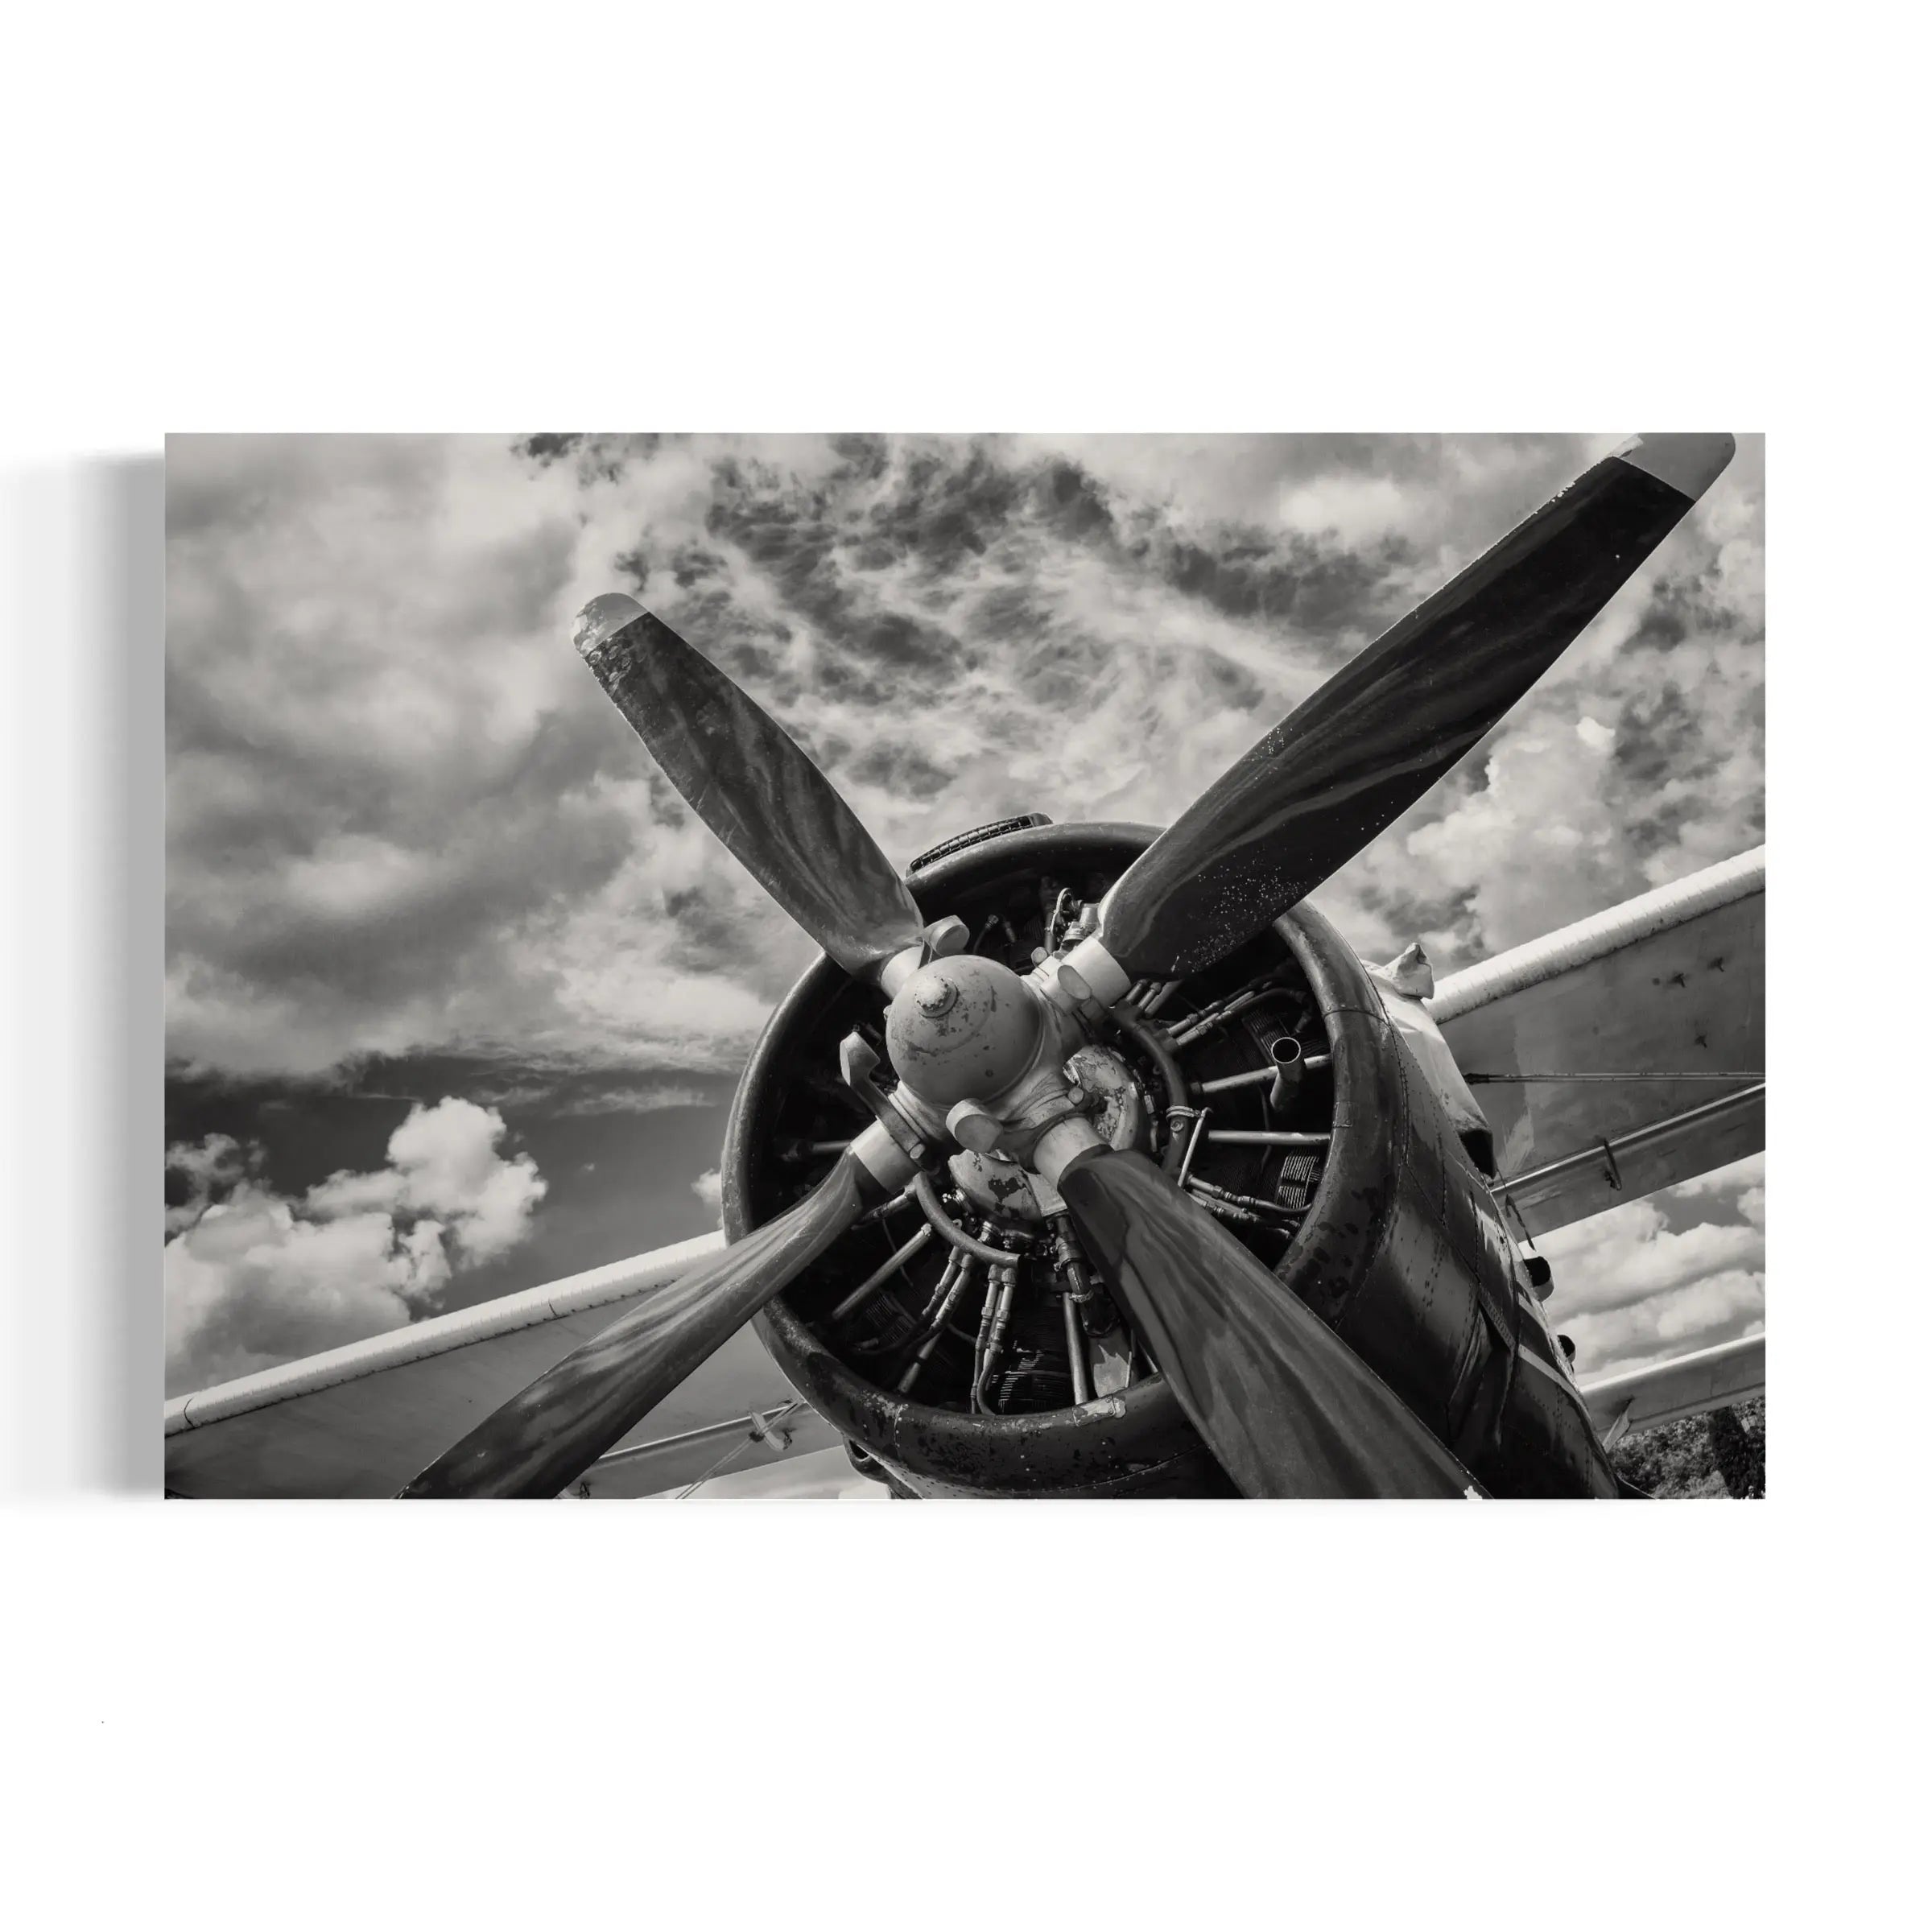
(457, 989)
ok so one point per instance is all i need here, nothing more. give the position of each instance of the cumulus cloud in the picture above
(213, 1167)
(1742, 1182)
(1630, 1287)
(401, 816)
(253, 1277)
(709, 1188)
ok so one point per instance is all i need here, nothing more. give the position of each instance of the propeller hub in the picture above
(962, 1028)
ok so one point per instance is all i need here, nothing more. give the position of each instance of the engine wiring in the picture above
(999, 1295)
(929, 1339)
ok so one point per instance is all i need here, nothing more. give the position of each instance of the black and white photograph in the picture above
(1019, 760)
(893, 966)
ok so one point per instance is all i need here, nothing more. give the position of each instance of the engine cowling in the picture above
(1365, 1204)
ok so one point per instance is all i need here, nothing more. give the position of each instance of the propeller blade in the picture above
(1288, 1408)
(752, 784)
(558, 1427)
(1387, 726)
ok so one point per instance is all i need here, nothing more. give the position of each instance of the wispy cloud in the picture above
(401, 816)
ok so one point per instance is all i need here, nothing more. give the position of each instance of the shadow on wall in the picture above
(85, 1353)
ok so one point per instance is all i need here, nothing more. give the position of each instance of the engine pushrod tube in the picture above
(937, 1328)
(1194, 1140)
(877, 1279)
(1261, 1076)
(1232, 1008)
(1257, 1136)
(1076, 1350)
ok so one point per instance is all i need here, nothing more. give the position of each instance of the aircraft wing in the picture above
(1615, 1057)
(1667, 1392)
(360, 1421)
(1623, 1054)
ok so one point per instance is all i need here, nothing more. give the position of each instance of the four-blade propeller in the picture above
(1287, 1407)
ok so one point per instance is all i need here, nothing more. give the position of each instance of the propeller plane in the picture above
(1089, 1160)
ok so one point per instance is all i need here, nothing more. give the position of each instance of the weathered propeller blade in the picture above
(752, 784)
(1287, 1407)
(538, 1440)
(1387, 726)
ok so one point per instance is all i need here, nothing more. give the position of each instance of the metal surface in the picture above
(668, 1464)
(551, 1431)
(1403, 1249)
(960, 841)
(1134, 1441)
(588, 1294)
(1289, 1409)
(1735, 1078)
(1627, 1167)
(949, 1230)
(1076, 1349)
(1000, 1290)
(1112, 1361)
(962, 1028)
(1259, 1076)
(1319, 786)
(1285, 1054)
(962, 1277)
(1158, 1045)
(1670, 982)
(361, 1420)
(1194, 1140)
(1436, 1062)
(995, 1184)
(1667, 1392)
(752, 784)
(911, 1130)
(884, 1273)
(1683, 903)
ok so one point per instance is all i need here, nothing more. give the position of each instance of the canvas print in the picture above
(1003, 966)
